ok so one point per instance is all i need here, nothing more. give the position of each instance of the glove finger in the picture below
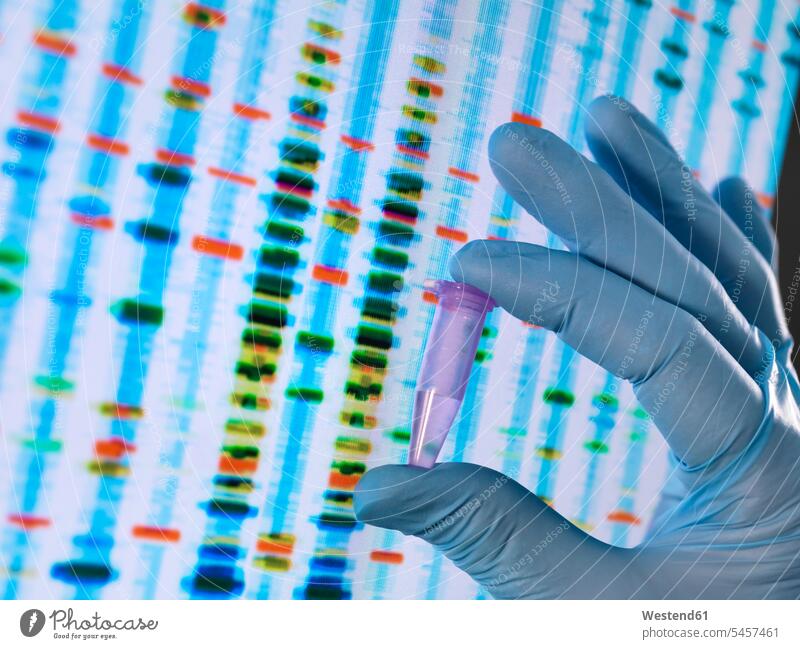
(702, 401)
(738, 200)
(495, 530)
(581, 204)
(656, 178)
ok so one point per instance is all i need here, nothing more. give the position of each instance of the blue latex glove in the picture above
(650, 252)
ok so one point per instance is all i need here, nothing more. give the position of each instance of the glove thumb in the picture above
(494, 529)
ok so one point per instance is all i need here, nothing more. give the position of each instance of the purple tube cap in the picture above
(457, 295)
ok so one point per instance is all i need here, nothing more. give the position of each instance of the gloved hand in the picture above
(650, 252)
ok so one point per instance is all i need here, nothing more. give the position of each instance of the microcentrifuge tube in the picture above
(446, 364)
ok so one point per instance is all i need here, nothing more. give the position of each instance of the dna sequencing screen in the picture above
(216, 220)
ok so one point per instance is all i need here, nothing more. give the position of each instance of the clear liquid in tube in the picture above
(434, 414)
